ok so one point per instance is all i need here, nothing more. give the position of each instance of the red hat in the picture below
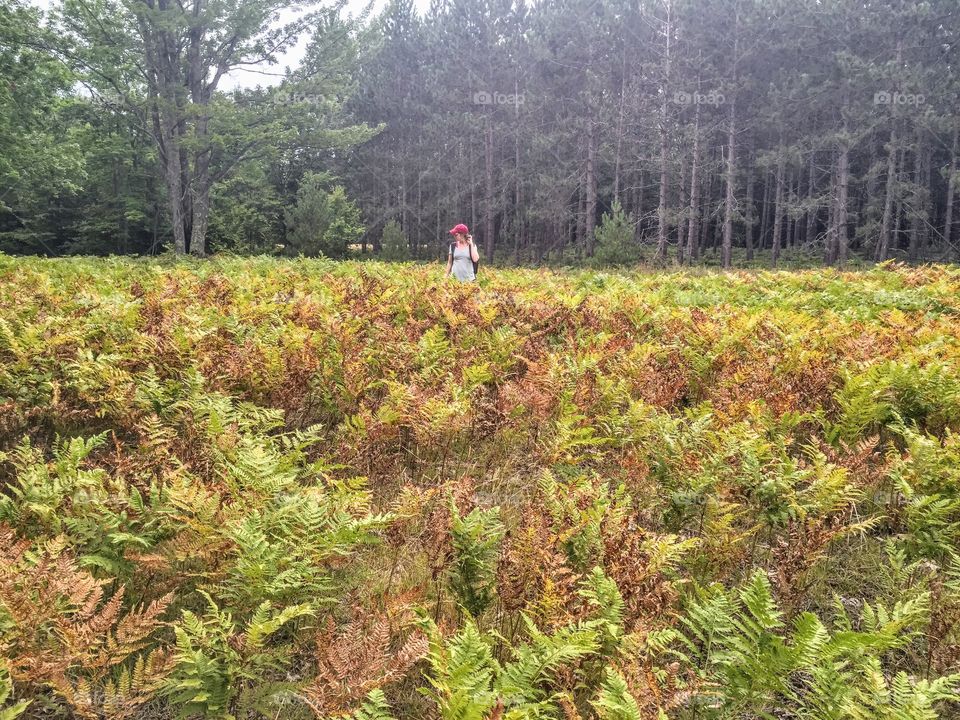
(459, 229)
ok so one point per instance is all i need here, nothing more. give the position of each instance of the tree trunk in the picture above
(765, 212)
(590, 221)
(620, 116)
(830, 244)
(518, 230)
(843, 180)
(795, 238)
(662, 226)
(749, 212)
(201, 216)
(951, 190)
(731, 151)
(886, 223)
(777, 211)
(488, 193)
(175, 193)
(915, 215)
(730, 181)
(811, 203)
(927, 210)
(693, 220)
(682, 225)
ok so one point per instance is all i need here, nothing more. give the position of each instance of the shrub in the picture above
(615, 241)
(393, 243)
(322, 223)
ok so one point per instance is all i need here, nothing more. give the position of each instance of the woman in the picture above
(463, 254)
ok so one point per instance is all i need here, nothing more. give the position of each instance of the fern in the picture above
(614, 701)
(606, 604)
(374, 707)
(467, 683)
(462, 671)
(523, 680)
(213, 658)
(476, 538)
(9, 708)
(754, 663)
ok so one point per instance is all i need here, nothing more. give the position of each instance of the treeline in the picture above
(617, 130)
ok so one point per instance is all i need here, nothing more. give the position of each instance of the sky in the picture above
(268, 75)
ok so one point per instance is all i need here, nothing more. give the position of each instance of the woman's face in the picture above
(461, 238)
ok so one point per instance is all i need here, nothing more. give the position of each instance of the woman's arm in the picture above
(449, 264)
(474, 254)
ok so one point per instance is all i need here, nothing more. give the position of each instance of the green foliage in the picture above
(12, 709)
(576, 508)
(614, 701)
(393, 243)
(374, 707)
(282, 553)
(322, 222)
(247, 214)
(754, 663)
(606, 604)
(462, 671)
(213, 658)
(476, 541)
(891, 393)
(467, 682)
(615, 238)
(927, 479)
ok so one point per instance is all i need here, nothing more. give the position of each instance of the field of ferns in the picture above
(282, 489)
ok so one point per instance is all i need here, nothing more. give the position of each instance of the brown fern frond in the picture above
(367, 653)
(533, 573)
(645, 590)
(63, 633)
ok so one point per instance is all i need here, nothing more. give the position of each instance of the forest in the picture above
(570, 132)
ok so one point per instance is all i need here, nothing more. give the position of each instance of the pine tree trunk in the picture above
(731, 152)
(662, 226)
(811, 206)
(795, 239)
(518, 231)
(682, 225)
(915, 222)
(623, 93)
(951, 191)
(662, 229)
(418, 215)
(886, 223)
(843, 180)
(591, 191)
(777, 211)
(694, 208)
(730, 180)
(488, 193)
(749, 212)
(830, 245)
(701, 245)
(765, 212)
(925, 198)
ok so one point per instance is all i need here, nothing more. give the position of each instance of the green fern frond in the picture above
(614, 701)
